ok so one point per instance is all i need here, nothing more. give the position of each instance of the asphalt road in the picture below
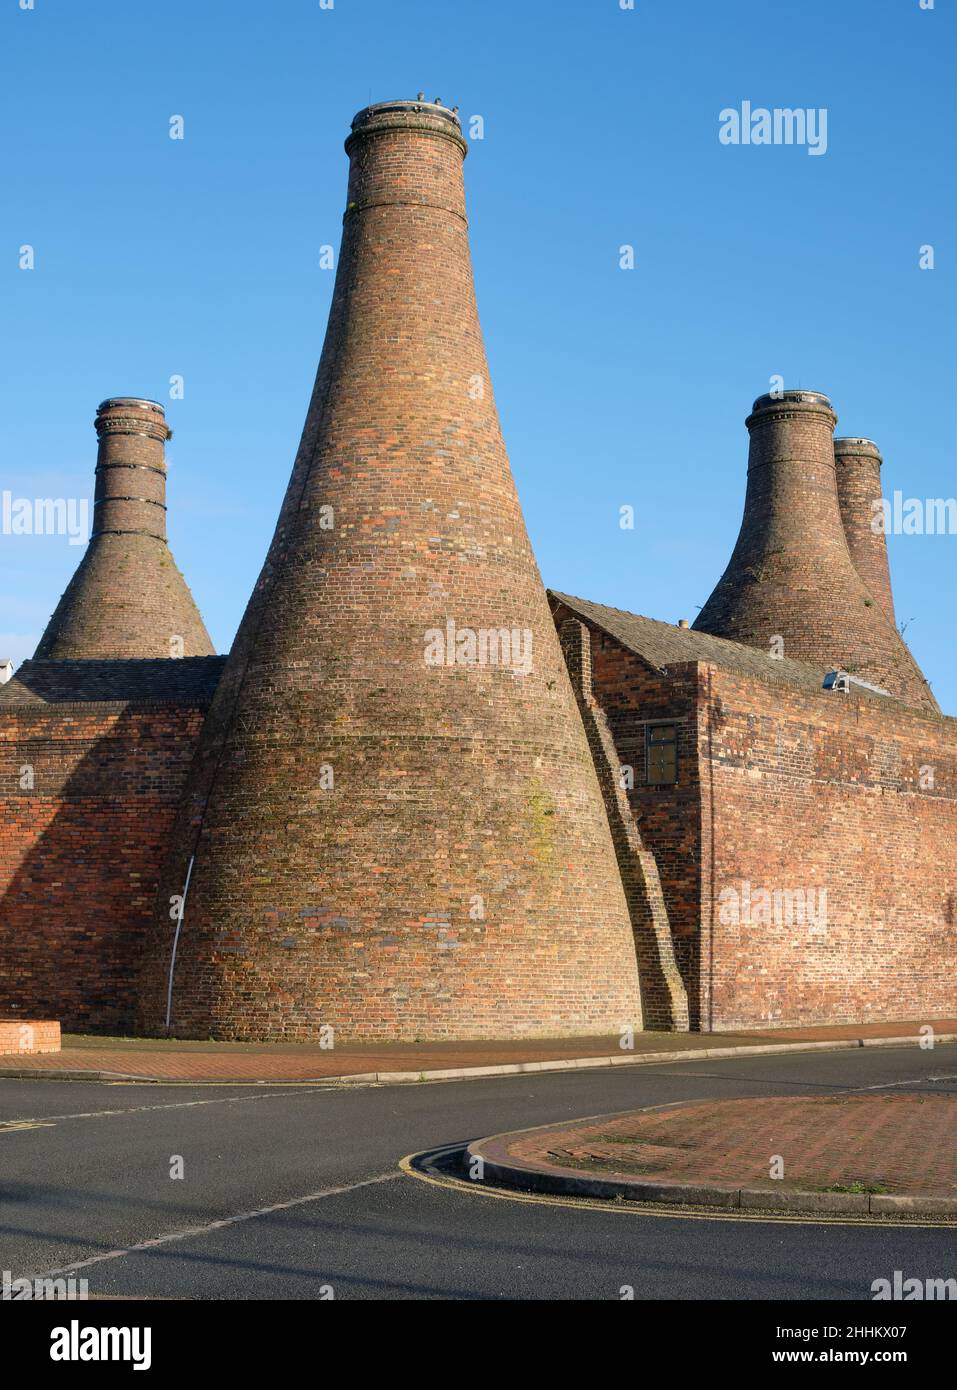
(91, 1179)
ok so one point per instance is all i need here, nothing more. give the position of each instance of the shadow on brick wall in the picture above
(91, 786)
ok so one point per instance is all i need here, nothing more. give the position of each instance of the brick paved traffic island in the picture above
(878, 1154)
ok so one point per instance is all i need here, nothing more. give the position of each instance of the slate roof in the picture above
(191, 680)
(662, 644)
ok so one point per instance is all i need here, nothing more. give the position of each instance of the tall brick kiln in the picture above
(127, 598)
(857, 464)
(791, 575)
(394, 825)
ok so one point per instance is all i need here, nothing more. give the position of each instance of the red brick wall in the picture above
(791, 791)
(29, 1036)
(802, 791)
(80, 853)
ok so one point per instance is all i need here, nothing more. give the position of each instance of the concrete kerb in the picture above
(635, 1059)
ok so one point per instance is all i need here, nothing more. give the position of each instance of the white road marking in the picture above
(170, 1105)
(829, 1088)
(897, 1085)
(195, 1231)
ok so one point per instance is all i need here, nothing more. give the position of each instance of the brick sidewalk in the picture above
(152, 1059)
(896, 1144)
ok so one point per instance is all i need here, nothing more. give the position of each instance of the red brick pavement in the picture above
(152, 1059)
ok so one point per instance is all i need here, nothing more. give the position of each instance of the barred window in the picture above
(661, 754)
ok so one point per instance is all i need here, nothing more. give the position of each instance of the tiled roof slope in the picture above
(192, 680)
(662, 644)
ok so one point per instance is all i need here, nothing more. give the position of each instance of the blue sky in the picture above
(200, 258)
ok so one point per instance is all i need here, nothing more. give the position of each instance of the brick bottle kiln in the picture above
(791, 575)
(127, 598)
(394, 825)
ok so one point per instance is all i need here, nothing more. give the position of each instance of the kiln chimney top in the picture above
(132, 414)
(403, 107)
(430, 117)
(774, 402)
(140, 401)
(849, 445)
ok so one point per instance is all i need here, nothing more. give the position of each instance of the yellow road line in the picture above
(407, 1165)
